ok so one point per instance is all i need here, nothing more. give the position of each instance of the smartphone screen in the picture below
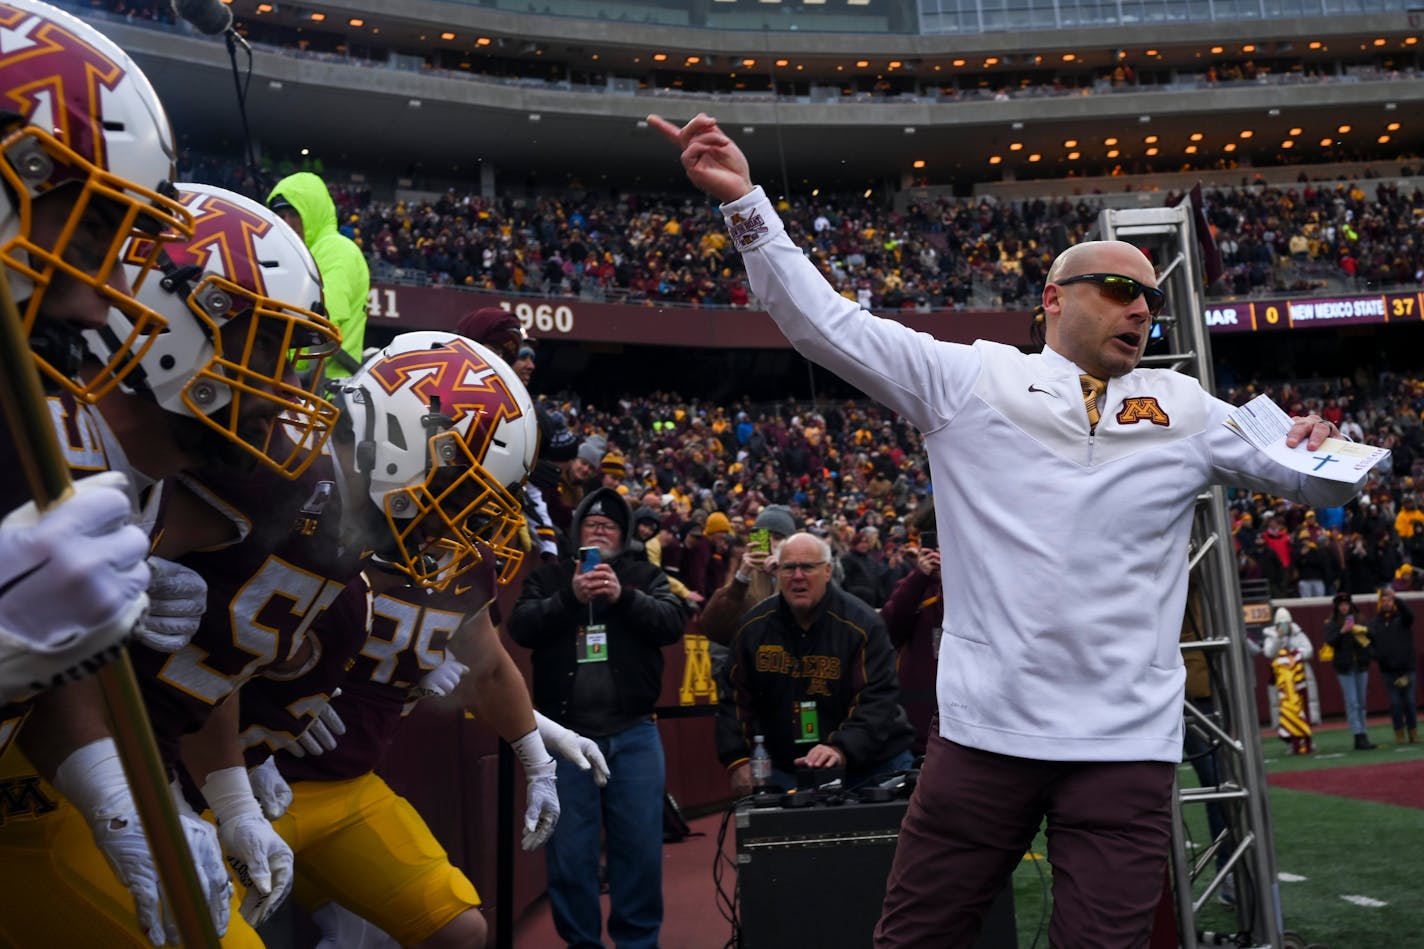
(589, 558)
(759, 540)
(929, 540)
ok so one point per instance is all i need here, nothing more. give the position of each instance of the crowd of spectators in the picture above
(999, 79)
(1375, 541)
(855, 474)
(934, 253)
(937, 253)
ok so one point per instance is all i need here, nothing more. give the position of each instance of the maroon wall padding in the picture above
(403, 309)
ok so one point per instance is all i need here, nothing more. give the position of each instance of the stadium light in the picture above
(1151, 152)
(1074, 156)
(1113, 153)
(1071, 143)
(1383, 139)
(1016, 146)
(1196, 136)
(995, 159)
(1392, 127)
(1144, 119)
(1109, 141)
(1295, 131)
(1150, 140)
(1343, 130)
(1247, 133)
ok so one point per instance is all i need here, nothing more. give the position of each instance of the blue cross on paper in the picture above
(1324, 460)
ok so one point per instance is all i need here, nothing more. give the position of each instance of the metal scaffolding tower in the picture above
(1231, 728)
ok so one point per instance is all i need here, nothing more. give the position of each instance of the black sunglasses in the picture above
(1121, 289)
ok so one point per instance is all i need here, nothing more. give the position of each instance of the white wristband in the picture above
(229, 793)
(531, 751)
(92, 778)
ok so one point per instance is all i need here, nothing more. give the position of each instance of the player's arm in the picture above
(494, 690)
(62, 720)
(262, 861)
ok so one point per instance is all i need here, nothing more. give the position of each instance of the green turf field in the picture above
(1327, 848)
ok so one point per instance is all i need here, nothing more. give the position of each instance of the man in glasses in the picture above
(597, 625)
(812, 670)
(1060, 681)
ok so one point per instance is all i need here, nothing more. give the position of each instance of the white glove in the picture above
(92, 778)
(541, 811)
(320, 736)
(177, 597)
(72, 584)
(260, 858)
(441, 680)
(270, 788)
(573, 748)
(208, 861)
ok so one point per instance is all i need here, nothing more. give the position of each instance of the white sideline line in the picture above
(1291, 877)
(1364, 901)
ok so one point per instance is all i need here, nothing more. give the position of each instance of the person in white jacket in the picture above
(1060, 681)
(1295, 705)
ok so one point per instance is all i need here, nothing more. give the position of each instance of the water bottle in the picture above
(761, 765)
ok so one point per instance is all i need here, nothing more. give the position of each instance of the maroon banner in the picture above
(404, 309)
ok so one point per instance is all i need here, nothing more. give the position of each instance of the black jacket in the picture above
(844, 663)
(1350, 656)
(1392, 640)
(646, 617)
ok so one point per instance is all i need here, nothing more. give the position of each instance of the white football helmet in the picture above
(79, 121)
(242, 302)
(445, 433)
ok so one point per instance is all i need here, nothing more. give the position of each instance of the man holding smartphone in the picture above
(597, 625)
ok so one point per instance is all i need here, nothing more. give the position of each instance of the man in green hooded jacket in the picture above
(303, 202)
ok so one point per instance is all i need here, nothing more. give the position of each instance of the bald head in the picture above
(1102, 257)
(1101, 334)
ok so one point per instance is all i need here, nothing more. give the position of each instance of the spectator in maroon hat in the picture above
(496, 328)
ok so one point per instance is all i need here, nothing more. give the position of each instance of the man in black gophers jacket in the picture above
(812, 670)
(597, 636)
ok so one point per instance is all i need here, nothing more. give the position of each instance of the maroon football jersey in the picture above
(409, 630)
(264, 591)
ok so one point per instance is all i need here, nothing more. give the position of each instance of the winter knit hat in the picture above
(777, 519)
(717, 523)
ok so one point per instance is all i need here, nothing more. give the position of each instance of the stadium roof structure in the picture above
(1331, 87)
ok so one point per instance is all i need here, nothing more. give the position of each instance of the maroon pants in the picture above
(974, 815)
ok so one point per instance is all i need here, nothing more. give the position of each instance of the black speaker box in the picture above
(815, 876)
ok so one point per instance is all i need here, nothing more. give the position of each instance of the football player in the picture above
(85, 159)
(84, 151)
(435, 434)
(212, 386)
